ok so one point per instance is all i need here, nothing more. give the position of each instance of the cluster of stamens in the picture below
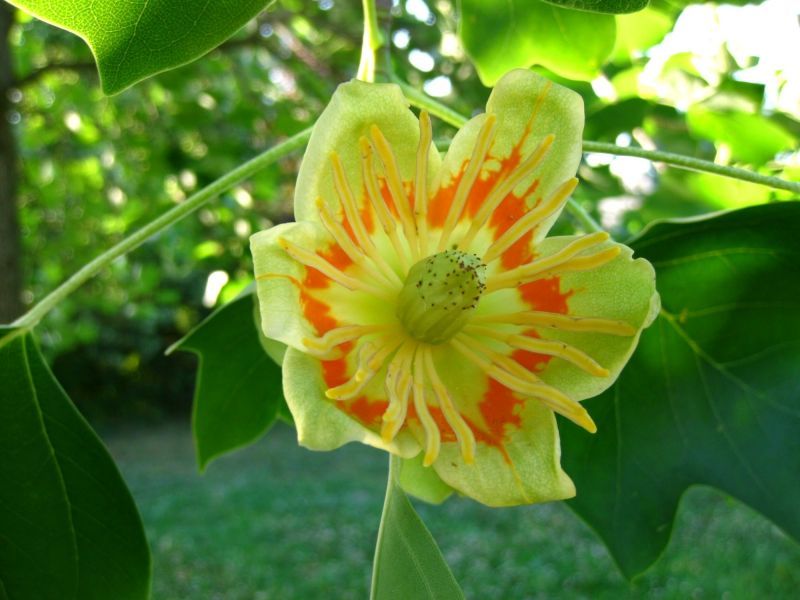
(437, 283)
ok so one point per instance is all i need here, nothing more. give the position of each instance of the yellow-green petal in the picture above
(354, 108)
(621, 290)
(526, 109)
(525, 469)
(320, 424)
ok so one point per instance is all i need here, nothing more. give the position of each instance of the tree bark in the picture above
(10, 245)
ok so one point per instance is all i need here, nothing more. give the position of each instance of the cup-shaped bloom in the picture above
(424, 310)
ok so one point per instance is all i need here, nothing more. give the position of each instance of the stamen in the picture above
(378, 203)
(591, 261)
(395, 183)
(398, 389)
(370, 360)
(536, 268)
(351, 211)
(550, 347)
(558, 321)
(315, 261)
(501, 360)
(325, 347)
(464, 434)
(432, 434)
(359, 255)
(421, 181)
(547, 395)
(504, 187)
(530, 220)
(474, 166)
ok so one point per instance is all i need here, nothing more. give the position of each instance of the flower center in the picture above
(439, 294)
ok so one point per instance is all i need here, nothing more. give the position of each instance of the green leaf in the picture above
(408, 563)
(602, 6)
(500, 35)
(68, 526)
(135, 39)
(636, 33)
(711, 395)
(238, 391)
(752, 138)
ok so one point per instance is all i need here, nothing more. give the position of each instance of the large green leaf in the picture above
(68, 526)
(238, 391)
(711, 395)
(134, 39)
(751, 138)
(500, 35)
(408, 563)
(602, 6)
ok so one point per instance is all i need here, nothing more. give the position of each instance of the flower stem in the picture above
(445, 113)
(371, 42)
(169, 218)
(394, 473)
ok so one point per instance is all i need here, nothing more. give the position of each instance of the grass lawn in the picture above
(278, 521)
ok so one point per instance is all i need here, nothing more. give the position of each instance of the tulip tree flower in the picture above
(424, 310)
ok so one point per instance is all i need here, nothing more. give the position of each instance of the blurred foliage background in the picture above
(716, 82)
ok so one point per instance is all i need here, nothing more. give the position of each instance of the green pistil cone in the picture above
(439, 294)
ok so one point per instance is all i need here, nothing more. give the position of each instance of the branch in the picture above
(166, 220)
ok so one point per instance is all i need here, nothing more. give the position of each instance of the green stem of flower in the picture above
(421, 100)
(169, 218)
(371, 42)
(392, 480)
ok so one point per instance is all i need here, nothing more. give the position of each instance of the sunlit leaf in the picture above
(638, 32)
(134, 39)
(238, 391)
(602, 6)
(752, 138)
(711, 396)
(68, 526)
(500, 35)
(408, 563)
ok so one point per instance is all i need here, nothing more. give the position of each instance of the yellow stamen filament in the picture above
(351, 211)
(315, 261)
(504, 187)
(326, 346)
(536, 268)
(367, 257)
(433, 439)
(501, 360)
(530, 220)
(421, 181)
(549, 347)
(378, 203)
(591, 261)
(370, 360)
(474, 166)
(558, 321)
(464, 435)
(398, 389)
(547, 395)
(395, 183)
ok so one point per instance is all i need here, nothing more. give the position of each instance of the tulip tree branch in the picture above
(169, 218)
